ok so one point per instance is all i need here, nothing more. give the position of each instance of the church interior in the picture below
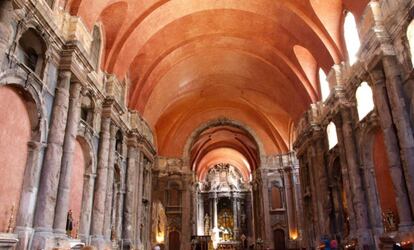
(206, 124)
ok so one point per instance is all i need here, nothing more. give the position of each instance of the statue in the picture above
(206, 225)
(389, 220)
(69, 224)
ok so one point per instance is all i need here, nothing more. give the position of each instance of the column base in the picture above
(46, 239)
(99, 242)
(24, 234)
(8, 241)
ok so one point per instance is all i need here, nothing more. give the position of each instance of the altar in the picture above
(223, 198)
(229, 245)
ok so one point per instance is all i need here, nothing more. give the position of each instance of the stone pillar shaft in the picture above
(215, 224)
(400, 117)
(28, 197)
(290, 200)
(110, 184)
(63, 199)
(129, 195)
(139, 190)
(87, 200)
(346, 181)
(101, 181)
(359, 199)
(49, 179)
(391, 145)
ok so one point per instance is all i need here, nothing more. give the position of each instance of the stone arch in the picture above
(88, 180)
(221, 122)
(21, 136)
(30, 32)
(368, 144)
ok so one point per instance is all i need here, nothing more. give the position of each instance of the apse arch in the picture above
(217, 123)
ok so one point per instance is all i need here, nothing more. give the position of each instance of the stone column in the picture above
(290, 200)
(393, 150)
(101, 183)
(346, 179)
(359, 199)
(28, 197)
(264, 193)
(235, 217)
(139, 189)
(63, 198)
(400, 116)
(200, 222)
(215, 224)
(320, 170)
(315, 225)
(49, 179)
(129, 194)
(110, 184)
(186, 212)
(87, 201)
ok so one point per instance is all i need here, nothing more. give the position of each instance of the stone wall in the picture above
(345, 188)
(61, 153)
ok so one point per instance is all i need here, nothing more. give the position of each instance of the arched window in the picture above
(332, 136)
(325, 89)
(351, 38)
(365, 101)
(96, 47)
(410, 37)
(31, 51)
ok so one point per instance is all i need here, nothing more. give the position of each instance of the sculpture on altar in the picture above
(206, 225)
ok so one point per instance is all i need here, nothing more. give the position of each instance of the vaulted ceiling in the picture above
(193, 61)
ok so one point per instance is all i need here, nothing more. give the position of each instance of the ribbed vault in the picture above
(190, 62)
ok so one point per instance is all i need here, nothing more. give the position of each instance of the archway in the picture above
(18, 122)
(223, 158)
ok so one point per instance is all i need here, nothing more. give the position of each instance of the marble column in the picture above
(24, 218)
(186, 212)
(346, 179)
(393, 150)
(49, 179)
(110, 184)
(128, 233)
(87, 201)
(200, 221)
(316, 230)
(215, 224)
(290, 200)
(101, 183)
(359, 199)
(324, 203)
(235, 217)
(139, 189)
(63, 198)
(400, 116)
(266, 227)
